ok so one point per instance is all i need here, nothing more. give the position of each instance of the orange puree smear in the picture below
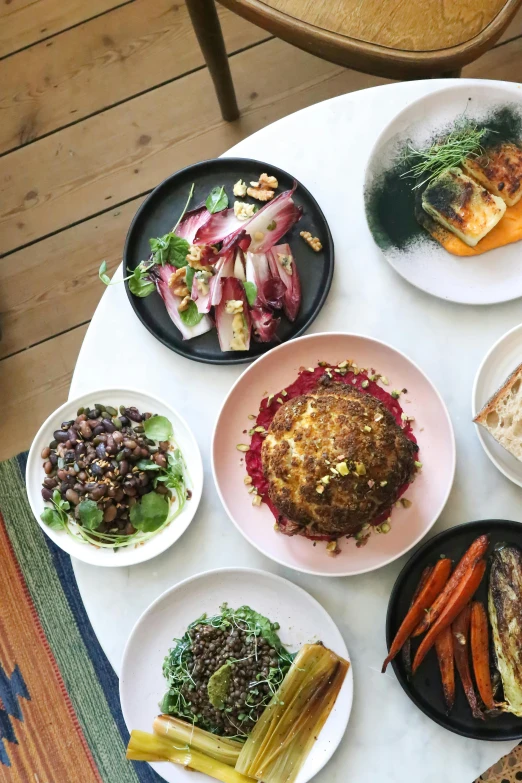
(507, 230)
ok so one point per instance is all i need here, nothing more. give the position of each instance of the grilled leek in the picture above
(287, 729)
(505, 613)
(183, 733)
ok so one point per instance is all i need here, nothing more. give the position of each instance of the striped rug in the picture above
(60, 716)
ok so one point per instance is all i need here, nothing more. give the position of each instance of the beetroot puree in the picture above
(307, 382)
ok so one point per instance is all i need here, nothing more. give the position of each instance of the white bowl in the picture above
(496, 367)
(182, 436)
(301, 617)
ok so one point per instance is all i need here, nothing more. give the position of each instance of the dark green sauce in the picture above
(390, 201)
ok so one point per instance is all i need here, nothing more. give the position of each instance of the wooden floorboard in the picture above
(33, 384)
(127, 150)
(53, 286)
(101, 63)
(24, 22)
(52, 189)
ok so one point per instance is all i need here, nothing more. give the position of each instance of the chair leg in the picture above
(451, 74)
(208, 31)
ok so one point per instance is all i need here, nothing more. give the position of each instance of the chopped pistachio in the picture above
(378, 417)
(251, 432)
(279, 400)
(385, 380)
(284, 393)
(251, 490)
(418, 465)
(405, 503)
(242, 447)
(366, 526)
(251, 416)
(256, 500)
(360, 468)
(334, 471)
(342, 467)
(383, 483)
(269, 401)
(325, 479)
(332, 548)
(385, 527)
(322, 364)
(365, 384)
(367, 428)
(247, 480)
(259, 429)
(377, 529)
(311, 369)
(342, 365)
(405, 417)
(319, 488)
(395, 394)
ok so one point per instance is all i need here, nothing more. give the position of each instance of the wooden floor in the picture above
(99, 101)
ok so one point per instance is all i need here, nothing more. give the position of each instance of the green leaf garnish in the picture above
(191, 316)
(102, 273)
(169, 249)
(158, 428)
(463, 142)
(189, 277)
(90, 515)
(139, 283)
(150, 513)
(217, 200)
(52, 518)
(250, 291)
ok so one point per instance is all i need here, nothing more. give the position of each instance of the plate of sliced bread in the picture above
(497, 404)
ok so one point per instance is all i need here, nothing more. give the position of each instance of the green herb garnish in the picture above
(191, 316)
(463, 142)
(90, 515)
(56, 518)
(158, 428)
(169, 249)
(250, 291)
(150, 513)
(217, 200)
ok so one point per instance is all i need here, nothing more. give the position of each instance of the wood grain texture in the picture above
(24, 22)
(121, 153)
(33, 384)
(368, 56)
(412, 25)
(103, 62)
(54, 286)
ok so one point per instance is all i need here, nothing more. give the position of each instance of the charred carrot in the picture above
(480, 653)
(444, 648)
(434, 584)
(460, 632)
(406, 648)
(471, 556)
(462, 594)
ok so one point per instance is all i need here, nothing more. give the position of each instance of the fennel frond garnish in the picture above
(450, 152)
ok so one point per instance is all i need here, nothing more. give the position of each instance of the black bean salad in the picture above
(225, 669)
(113, 478)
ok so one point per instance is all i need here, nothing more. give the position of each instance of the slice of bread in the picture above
(502, 414)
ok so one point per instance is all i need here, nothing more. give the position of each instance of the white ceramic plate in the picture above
(495, 276)
(183, 438)
(496, 367)
(301, 617)
(432, 428)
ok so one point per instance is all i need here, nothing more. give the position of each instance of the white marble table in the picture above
(388, 739)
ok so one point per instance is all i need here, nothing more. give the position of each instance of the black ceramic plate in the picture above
(425, 689)
(158, 214)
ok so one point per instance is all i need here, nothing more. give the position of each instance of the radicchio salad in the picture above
(227, 267)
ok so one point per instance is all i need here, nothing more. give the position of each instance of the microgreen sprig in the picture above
(463, 142)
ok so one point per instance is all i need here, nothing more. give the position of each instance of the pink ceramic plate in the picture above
(432, 428)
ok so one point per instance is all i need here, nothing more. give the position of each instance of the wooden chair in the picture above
(398, 39)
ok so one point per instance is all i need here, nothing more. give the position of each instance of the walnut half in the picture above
(314, 242)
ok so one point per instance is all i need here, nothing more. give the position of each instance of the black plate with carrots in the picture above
(425, 687)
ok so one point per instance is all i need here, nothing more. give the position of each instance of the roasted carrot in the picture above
(434, 584)
(471, 556)
(444, 648)
(480, 653)
(406, 648)
(460, 633)
(462, 594)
